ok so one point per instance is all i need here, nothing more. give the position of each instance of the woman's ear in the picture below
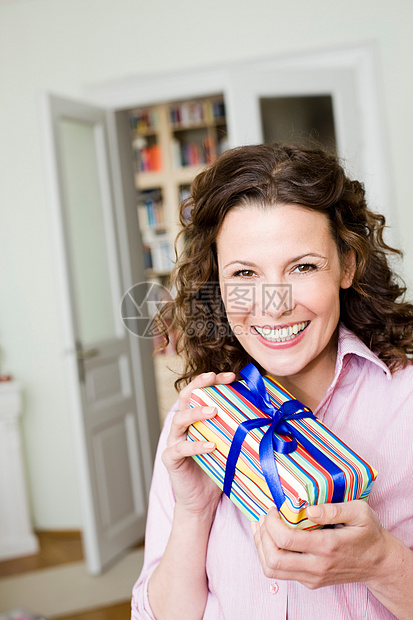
(348, 270)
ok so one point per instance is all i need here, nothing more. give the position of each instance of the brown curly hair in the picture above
(373, 307)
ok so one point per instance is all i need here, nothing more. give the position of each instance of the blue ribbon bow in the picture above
(256, 393)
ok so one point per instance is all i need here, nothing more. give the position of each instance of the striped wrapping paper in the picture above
(304, 481)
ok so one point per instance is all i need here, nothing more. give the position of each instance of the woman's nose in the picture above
(276, 300)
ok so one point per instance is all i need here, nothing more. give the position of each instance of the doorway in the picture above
(303, 121)
(171, 143)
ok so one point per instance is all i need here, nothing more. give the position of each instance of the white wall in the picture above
(64, 45)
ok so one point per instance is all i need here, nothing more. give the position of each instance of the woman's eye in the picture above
(244, 273)
(305, 268)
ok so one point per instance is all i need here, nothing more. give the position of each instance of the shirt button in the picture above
(274, 587)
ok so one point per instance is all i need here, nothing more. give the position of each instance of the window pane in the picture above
(85, 230)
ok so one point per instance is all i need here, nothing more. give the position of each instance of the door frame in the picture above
(362, 61)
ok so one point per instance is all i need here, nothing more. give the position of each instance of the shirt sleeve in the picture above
(158, 526)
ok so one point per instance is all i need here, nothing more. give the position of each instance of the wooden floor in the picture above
(55, 548)
(58, 548)
(115, 612)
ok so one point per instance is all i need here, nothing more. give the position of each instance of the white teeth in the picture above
(283, 334)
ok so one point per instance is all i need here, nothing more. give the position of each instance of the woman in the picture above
(285, 266)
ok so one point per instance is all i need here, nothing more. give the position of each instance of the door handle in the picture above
(88, 354)
(81, 357)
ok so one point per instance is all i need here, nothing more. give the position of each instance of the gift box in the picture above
(271, 450)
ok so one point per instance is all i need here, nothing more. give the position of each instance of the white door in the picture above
(251, 86)
(111, 383)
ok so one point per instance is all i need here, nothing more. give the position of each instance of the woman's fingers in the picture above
(183, 419)
(188, 415)
(351, 553)
(204, 380)
(175, 455)
(178, 448)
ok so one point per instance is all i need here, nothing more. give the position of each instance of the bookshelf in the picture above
(171, 142)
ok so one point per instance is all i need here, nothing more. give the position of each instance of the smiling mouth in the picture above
(283, 334)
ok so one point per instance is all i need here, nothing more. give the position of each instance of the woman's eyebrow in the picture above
(308, 254)
(240, 262)
(291, 260)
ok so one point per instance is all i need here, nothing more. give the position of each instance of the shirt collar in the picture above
(349, 343)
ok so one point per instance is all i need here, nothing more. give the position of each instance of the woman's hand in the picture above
(178, 587)
(194, 491)
(354, 552)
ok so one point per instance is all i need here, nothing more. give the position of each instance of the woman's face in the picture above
(280, 278)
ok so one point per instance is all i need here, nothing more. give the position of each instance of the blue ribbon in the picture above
(256, 393)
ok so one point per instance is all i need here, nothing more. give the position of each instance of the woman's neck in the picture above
(311, 384)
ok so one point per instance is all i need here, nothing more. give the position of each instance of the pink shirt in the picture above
(369, 409)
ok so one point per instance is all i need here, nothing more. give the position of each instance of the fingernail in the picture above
(210, 410)
(227, 374)
(207, 375)
(209, 445)
(314, 512)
